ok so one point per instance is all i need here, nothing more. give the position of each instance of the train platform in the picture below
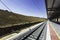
(54, 31)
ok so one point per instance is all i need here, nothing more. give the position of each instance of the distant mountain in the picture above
(9, 18)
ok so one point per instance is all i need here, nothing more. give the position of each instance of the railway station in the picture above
(47, 30)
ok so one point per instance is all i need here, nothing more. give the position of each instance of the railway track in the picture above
(38, 33)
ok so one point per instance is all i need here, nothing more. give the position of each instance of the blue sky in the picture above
(26, 7)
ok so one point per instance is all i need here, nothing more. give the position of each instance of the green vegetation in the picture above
(10, 18)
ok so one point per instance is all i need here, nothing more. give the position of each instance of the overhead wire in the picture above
(5, 5)
(11, 10)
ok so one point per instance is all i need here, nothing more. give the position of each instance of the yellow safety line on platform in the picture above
(55, 31)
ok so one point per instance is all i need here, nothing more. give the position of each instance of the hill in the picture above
(10, 18)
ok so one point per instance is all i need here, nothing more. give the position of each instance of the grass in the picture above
(10, 18)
